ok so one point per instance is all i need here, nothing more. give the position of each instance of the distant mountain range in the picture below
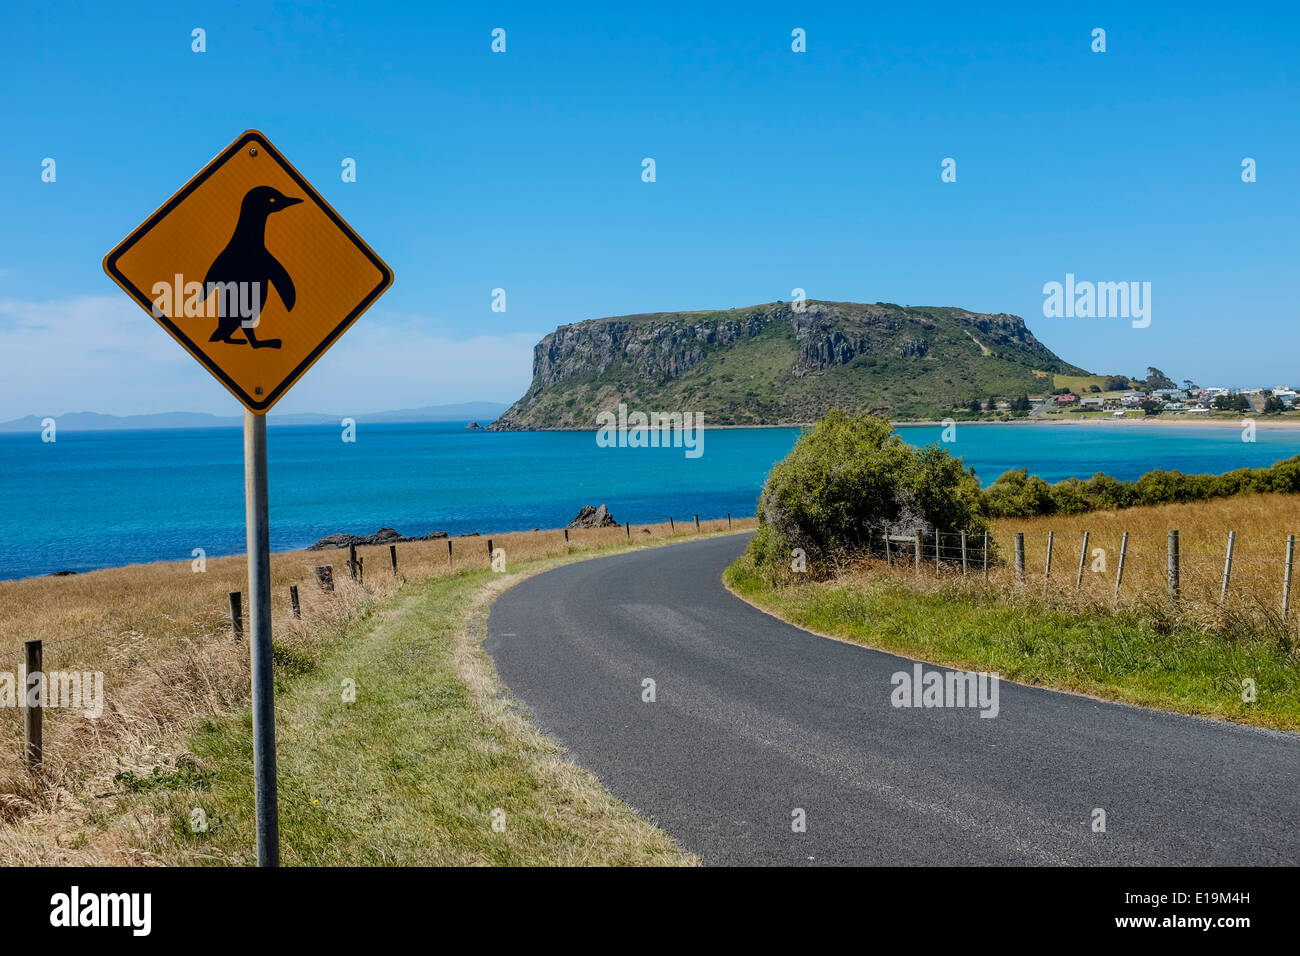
(781, 363)
(482, 412)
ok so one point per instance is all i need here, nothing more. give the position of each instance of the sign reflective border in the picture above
(250, 270)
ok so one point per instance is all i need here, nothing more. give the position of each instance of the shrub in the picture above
(1069, 497)
(1105, 493)
(1016, 494)
(850, 478)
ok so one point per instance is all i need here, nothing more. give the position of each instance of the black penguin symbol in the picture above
(246, 260)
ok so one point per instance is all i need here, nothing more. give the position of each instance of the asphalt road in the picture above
(755, 719)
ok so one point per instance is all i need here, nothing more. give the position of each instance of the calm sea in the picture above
(98, 499)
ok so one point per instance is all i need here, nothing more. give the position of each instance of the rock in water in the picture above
(590, 517)
(334, 541)
(382, 536)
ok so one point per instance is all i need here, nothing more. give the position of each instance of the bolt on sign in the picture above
(250, 270)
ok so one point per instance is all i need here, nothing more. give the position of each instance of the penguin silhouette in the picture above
(246, 260)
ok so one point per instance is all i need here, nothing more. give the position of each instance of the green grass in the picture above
(412, 771)
(1134, 657)
(1072, 414)
(1079, 384)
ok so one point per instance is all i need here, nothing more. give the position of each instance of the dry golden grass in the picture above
(1254, 599)
(161, 635)
(1261, 523)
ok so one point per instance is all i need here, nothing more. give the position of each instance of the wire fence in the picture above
(168, 643)
(1189, 572)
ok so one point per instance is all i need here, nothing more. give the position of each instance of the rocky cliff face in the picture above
(661, 347)
(639, 358)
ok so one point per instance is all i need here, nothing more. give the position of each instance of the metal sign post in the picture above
(255, 275)
(256, 516)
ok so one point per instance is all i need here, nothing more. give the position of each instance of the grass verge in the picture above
(415, 771)
(160, 635)
(1126, 656)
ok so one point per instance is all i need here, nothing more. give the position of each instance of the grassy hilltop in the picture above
(773, 363)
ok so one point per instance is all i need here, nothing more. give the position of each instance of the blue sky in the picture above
(775, 170)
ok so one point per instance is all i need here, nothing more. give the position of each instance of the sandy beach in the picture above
(1156, 422)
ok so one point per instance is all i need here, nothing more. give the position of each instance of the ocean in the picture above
(98, 499)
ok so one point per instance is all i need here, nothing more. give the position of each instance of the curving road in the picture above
(755, 719)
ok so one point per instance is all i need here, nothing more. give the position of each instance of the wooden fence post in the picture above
(697, 523)
(566, 536)
(963, 554)
(33, 747)
(1020, 557)
(325, 577)
(1083, 556)
(1047, 567)
(293, 602)
(628, 526)
(1119, 571)
(936, 552)
(449, 552)
(986, 557)
(361, 570)
(728, 520)
(1286, 576)
(672, 528)
(1172, 550)
(1227, 567)
(352, 561)
(392, 553)
(237, 614)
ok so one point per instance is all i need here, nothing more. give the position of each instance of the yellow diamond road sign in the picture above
(251, 270)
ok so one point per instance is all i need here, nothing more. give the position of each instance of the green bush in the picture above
(851, 478)
(1016, 494)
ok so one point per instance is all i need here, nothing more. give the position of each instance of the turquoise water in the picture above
(98, 499)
